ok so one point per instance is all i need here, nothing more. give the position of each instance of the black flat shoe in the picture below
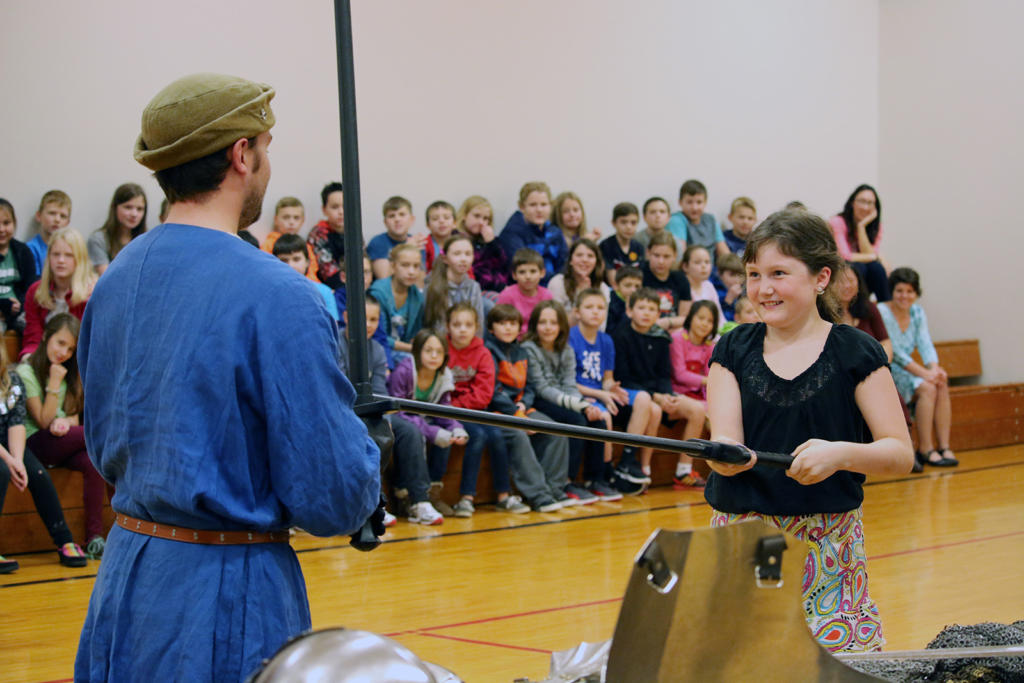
(947, 460)
(7, 566)
(939, 461)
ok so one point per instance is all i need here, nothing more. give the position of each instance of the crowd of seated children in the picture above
(539, 462)
(440, 224)
(621, 249)
(289, 215)
(527, 292)
(450, 283)
(642, 357)
(568, 214)
(65, 286)
(328, 236)
(294, 251)
(53, 432)
(54, 213)
(126, 220)
(584, 269)
(398, 220)
(531, 228)
(17, 271)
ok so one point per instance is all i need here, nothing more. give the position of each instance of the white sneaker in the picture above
(424, 513)
(389, 519)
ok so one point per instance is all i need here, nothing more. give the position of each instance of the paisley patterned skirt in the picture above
(840, 613)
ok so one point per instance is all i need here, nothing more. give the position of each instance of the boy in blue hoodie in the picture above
(531, 227)
(541, 474)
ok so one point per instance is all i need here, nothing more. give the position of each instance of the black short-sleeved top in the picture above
(12, 407)
(780, 414)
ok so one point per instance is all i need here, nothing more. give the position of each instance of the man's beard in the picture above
(252, 207)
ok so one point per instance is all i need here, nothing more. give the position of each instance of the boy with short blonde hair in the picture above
(398, 219)
(743, 217)
(54, 213)
(289, 215)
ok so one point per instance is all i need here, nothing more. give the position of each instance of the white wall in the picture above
(776, 100)
(952, 166)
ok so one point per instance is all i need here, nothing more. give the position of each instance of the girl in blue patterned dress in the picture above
(798, 383)
(924, 384)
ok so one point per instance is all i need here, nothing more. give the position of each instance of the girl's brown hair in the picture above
(463, 307)
(39, 361)
(419, 341)
(122, 194)
(563, 324)
(437, 289)
(556, 214)
(806, 237)
(596, 277)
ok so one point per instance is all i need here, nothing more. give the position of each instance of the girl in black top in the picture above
(838, 415)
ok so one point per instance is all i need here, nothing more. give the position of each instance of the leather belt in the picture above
(202, 536)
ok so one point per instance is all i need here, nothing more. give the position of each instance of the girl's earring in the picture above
(820, 290)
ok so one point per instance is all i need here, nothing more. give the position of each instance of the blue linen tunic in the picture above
(214, 401)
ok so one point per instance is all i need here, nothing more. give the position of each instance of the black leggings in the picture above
(44, 494)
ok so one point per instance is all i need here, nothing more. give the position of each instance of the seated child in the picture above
(621, 249)
(595, 366)
(401, 312)
(643, 363)
(731, 276)
(743, 216)
(424, 376)
(691, 350)
(449, 284)
(54, 213)
(398, 219)
(656, 212)
(539, 462)
(745, 313)
(697, 266)
(628, 279)
(490, 262)
(585, 269)
(408, 457)
(531, 228)
(289, 215)
(571, 219)
(341, 294)
(440, 224)
(527, 292)
(692, 225)
(472, 370)
(671, 286)
(328, 236)
(17, 271)
(293, 250)
(552, 375)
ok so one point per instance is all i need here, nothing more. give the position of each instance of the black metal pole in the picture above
(355, 306)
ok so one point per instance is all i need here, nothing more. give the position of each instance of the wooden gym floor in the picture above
(491, 597)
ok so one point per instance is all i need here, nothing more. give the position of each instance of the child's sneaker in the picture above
(7, 566)
(603, 491)
(94, 548)
(424, 513)
(626, 486)
(464, 508)
(513, 504)
(631, 471)
(389, 519)
(578, 495)
(690, 480)
(546, 505)
(70, 555)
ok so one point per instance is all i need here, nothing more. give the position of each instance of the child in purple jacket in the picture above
(425, 377)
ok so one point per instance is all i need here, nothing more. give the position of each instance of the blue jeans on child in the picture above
(479, 436)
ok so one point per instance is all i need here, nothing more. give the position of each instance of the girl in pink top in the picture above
(858, 233)
(691, 350)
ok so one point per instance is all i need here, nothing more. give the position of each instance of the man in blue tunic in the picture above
(216, 408)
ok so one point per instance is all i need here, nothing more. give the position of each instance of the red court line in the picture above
(62, 680)
(482, 642)
(941, 546)
(506, 616)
